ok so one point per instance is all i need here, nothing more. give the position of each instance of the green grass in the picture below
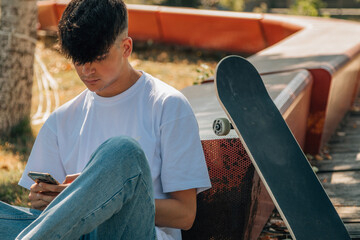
(10, 191)
(14, 151)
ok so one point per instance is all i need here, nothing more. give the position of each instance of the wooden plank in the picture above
(345, 148)
(346, 177)
(354, 230)
(352, 122)
(349, 140)
(349, 130)
(344, 157)
(336, 165)
(327, 179)
(344, 194)
(341, 137)
(354, 113)
(349, 214)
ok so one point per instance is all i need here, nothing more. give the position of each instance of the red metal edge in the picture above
(317, 112)
(217, 30)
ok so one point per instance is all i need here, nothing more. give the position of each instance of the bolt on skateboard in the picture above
(286, 173)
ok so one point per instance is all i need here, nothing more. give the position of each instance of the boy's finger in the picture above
(46, 198)
(51, 187)
(39, 204)
(35, 188)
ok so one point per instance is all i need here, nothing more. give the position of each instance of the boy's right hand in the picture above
(42, 194)
(39, 198)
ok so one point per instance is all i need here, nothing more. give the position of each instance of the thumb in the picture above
(71, 178)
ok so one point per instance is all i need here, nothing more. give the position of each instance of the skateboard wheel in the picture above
(221, 126)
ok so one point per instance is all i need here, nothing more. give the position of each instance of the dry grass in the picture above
(178, 66)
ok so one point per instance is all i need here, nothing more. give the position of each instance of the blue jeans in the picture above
(111, 199)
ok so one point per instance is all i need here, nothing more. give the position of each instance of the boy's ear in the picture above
(127, 46)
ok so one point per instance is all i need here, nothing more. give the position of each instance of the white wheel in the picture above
(221, 126)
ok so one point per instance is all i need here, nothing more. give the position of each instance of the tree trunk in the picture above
(18, 19)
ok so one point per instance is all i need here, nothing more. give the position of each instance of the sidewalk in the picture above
(340, 175)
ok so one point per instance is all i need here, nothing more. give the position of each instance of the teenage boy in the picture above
(127, 149)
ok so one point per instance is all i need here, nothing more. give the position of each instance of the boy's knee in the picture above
(124, 149)
(123, 143)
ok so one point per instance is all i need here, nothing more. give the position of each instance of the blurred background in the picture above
(346, 9)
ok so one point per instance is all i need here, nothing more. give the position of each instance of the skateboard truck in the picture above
(222, 126)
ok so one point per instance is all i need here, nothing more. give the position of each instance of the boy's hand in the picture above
(71, 178)
(42, 194)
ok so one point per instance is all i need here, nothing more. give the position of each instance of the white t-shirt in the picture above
(155, 114)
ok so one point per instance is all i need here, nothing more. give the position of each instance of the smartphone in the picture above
(42, 177)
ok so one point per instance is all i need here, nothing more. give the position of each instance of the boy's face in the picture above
(104, 76)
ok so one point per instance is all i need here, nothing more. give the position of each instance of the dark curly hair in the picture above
(88, 28)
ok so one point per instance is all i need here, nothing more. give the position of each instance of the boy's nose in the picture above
(88, 69)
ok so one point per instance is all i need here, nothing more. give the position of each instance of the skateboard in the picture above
(286, 173)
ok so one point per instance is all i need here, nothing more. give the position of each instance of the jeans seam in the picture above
(17, 217)
(14, 217)
(147, 187)
(149, 196)
(105, 203)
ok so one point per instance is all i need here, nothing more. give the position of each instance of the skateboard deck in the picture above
(293, 186)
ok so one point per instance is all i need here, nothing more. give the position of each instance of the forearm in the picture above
(176, 212)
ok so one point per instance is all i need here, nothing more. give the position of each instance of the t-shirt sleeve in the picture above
(183, 161)
(44, 157)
